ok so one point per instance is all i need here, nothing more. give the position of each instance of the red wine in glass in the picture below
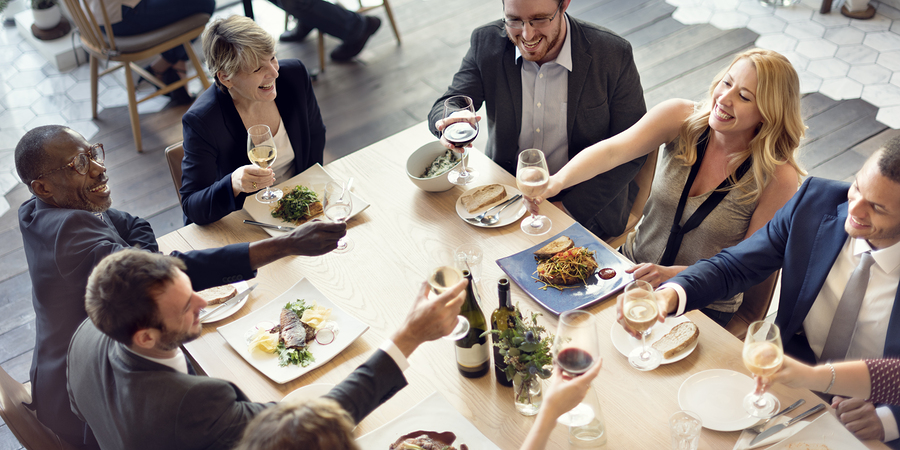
(574, 360)
(460, 134)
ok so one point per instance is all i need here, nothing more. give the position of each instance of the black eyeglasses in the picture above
(82, 161)
(518, 24)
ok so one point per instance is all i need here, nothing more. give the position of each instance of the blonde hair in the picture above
(776, 140)
(319, 424)
(234, 44)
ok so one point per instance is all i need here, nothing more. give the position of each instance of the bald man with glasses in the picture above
(553, 82)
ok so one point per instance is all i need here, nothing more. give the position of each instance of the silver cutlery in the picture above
(479, 219)
(266, 225)
(758, 428)
(776, 428)
(204, 313)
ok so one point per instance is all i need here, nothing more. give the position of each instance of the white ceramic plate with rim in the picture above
(235, 333)
(624, 343)
(308, 392)
(314, 178)
(220, 313)
(508, 216)
(434, 413)
(824, 430)
(717, 395)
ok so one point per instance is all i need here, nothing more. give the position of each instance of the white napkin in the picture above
(743, 443)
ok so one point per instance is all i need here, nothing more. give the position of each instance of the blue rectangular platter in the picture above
(521, 266)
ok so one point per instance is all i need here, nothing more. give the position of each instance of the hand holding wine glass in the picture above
(641, 312)
(460, 134)
(532, 177)
(442, 279)
(262, 153)
(763, 355)
(338, 205)
(575, 350)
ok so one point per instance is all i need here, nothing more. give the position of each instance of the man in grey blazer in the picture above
(130, 382)
(553, 82)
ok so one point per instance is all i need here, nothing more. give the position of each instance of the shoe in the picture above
(862, 15)
(297, 34)
(179, 96)
(347, 50)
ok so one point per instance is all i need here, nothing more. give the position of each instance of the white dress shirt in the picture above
(545, 93)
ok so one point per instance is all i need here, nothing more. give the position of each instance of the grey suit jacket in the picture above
(133, 403)
(605, 98)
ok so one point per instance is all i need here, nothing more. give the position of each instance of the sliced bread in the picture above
(218, 294)
(677, 339)
(475, 199)
(559, 244)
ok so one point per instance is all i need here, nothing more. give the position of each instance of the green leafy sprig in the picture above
(525, 348)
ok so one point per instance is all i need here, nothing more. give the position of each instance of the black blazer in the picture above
(215, 142)
(62, 246)
(605, 98)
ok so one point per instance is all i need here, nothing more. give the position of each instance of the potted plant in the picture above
(46, 13)
(525, 349)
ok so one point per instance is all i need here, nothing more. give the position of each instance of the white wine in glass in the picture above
(461, 134)
(641, 312)
(261, 152)
(444, 278)
(763, 356)
(532, 177)
(337, 206)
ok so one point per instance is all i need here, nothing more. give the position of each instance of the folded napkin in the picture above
(743, 443)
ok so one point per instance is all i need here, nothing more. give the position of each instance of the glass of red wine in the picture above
(461, 134)
(576, 349)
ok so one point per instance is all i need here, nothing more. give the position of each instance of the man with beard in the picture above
(559, 84)
(68, 226)
(130, 381)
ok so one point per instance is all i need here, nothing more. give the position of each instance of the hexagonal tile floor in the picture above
(839, 57)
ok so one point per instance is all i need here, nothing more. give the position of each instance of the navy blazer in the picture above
(62, 246)
(215, 142)
(605, 97)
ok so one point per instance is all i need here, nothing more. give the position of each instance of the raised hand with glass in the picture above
(763, 356)
(337, 206)
(532, 177)
(641, 312)
(460, 133)
(261, 151)
(576, 349)
(444, 278)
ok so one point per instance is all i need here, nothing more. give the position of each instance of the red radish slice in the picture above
(324, 336)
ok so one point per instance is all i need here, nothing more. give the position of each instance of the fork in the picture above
(759, 427)
(481, 216)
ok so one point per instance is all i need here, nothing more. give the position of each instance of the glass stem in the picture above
(462, 172)
(645, 355)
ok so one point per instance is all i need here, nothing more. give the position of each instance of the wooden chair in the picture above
(644, 179)
(361, 10)
(23, 423)
(174, 155)
(127, 50)
(754, 307)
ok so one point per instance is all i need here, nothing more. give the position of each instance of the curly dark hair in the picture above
(889, 161)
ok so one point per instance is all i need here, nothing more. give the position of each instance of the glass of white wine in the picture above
(763, 356)
(641, 312)
(261, 151)
(532, 177)
(461, 134)
(444, 278)
(337, 206)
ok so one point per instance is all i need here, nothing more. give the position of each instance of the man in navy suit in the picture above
(68, 227)
(817, 239)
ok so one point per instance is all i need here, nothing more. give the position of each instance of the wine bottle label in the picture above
(472, 357)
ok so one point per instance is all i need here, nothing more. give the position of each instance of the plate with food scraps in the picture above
(431, 416)
(314, 178)
(228, 311)
(333, 335)
(625, 343)
(716, 396)
(508, 216)
(824, 433)
(521, 268)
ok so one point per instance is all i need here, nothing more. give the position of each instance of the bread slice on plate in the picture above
(478, 198)
(677, 339)
(559, 244)
(218, 294)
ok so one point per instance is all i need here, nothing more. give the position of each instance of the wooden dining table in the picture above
(397, 241)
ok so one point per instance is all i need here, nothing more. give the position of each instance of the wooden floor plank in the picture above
(726, 45)
(640, 18)
(654, 32)
(675, 45)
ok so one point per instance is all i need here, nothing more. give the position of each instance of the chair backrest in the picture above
(644, 179)
(174, 155)
(88, 25)
(754, 307)
(25, 426)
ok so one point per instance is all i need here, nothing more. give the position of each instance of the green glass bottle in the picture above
(501, 319)
(472, 355)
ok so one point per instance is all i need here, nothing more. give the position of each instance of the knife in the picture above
(776, 428)
(266, 225)
(232, 301)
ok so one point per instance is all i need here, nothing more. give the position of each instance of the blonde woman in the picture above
(729, 163)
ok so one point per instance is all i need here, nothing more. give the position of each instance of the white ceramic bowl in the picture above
(419, 160)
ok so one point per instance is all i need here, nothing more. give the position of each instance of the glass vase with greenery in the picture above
(525, 349)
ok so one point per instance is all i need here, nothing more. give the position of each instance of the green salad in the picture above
(296, 205)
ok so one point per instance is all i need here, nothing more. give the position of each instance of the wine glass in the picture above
(337, 206)
(444, 278)
(575, 350)
(641, 312)
(461, 134)
(763, 356)
(532, 177)
(261, 151)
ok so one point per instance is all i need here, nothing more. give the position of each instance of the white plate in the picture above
(824, 430)
(624, 343)
(308, 392)
(716, 396)
(314, 178)
(508, 216)
(235, 333)
(432, 414)
(220, 313)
